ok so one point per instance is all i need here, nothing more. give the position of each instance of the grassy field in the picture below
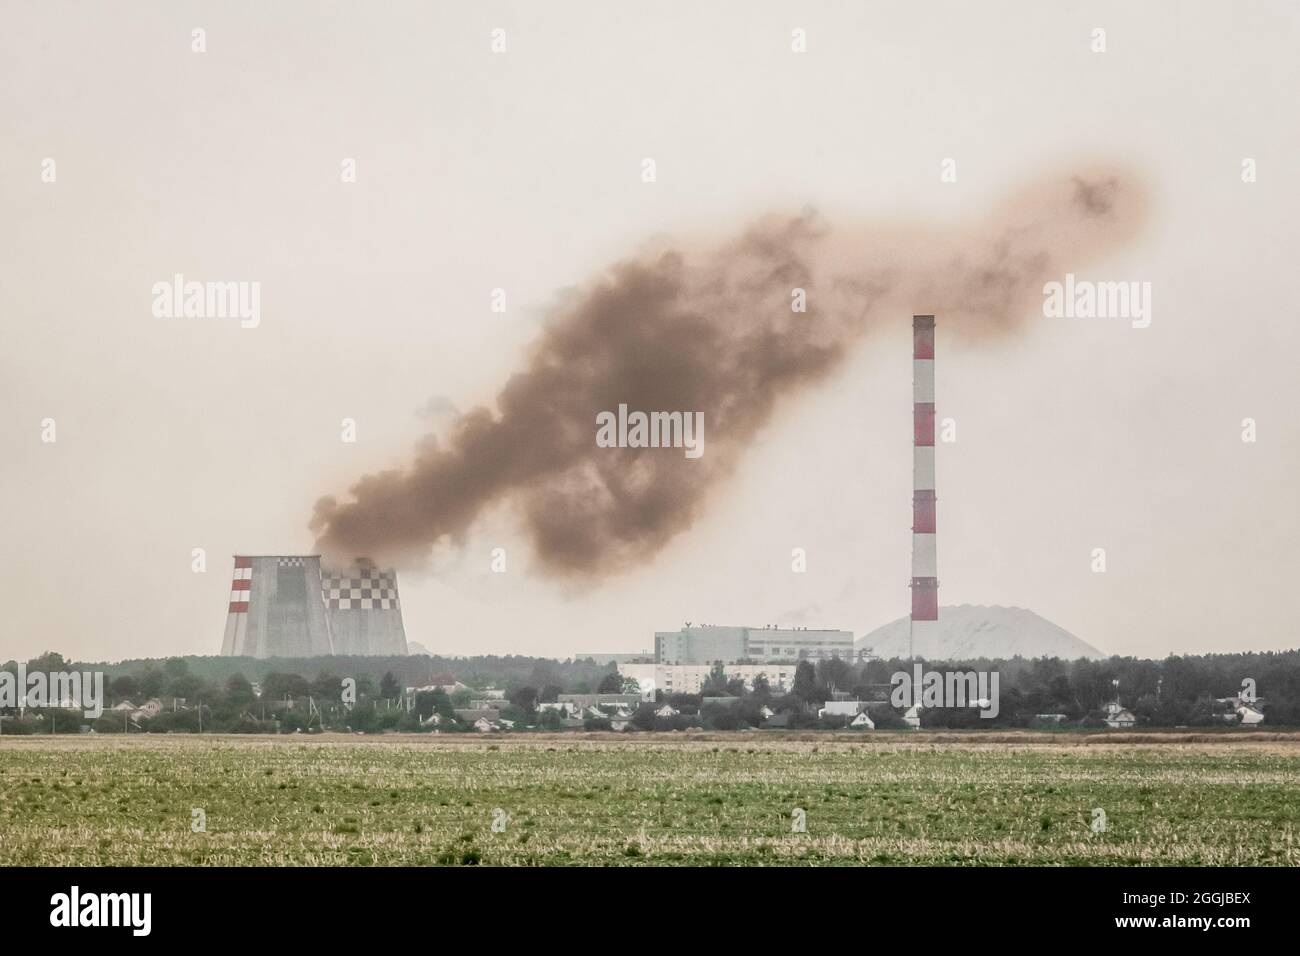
(651, 799)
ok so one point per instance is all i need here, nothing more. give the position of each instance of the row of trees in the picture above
(1178, 691)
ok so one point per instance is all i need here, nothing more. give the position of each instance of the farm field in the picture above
(671, 799)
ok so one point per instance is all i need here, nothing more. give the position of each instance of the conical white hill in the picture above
(968, 631)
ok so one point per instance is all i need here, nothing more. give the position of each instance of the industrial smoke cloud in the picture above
(709, 328)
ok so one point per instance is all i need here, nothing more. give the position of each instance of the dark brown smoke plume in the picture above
(709, 329)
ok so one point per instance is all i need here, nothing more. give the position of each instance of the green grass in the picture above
(645, 800)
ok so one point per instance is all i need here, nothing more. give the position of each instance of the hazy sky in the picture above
(522, 170)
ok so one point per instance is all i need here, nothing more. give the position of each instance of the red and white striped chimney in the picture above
(925, 583)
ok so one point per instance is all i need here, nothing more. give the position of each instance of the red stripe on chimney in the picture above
(923, 512)
(925, 599)
(923, 423)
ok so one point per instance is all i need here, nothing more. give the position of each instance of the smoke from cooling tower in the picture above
(711, 329)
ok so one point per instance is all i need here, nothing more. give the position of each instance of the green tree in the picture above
(175, 667)
(327, 686)
(239, 691)
(278, 686)
(442, 705)
(805, 683)
(611, 683)
(834, 675)
(525, 698)
(644, 718)
(151, 682)
(389, 686)
(126, 687)
(48, 663)
(715, 685)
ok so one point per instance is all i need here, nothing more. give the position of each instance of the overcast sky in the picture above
(522, 170)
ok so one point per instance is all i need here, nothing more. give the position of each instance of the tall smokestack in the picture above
(925, 583)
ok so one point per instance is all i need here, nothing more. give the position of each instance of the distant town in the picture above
(700, 677)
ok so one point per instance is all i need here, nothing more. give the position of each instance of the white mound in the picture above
(968, 631)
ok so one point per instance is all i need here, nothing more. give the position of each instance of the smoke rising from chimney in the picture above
(709, 328)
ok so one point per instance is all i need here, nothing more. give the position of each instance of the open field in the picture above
(651, 799)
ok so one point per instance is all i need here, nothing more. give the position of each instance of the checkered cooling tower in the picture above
(365, 589)
(364, 611)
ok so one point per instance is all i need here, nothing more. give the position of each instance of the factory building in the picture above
(288, 606)
(690, 678)
(757, 645)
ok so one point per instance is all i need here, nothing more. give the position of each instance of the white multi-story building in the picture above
(690, 678)
(750, 645)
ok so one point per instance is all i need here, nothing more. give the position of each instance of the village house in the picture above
(1119, 718)
(842, 708)
(1250, 714)
(584, 701)
(470, 715)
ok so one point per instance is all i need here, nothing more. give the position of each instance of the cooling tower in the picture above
(364, 614)
(925, 560)
(288, 606)
(276, 608)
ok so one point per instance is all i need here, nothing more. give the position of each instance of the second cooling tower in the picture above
(364, 614)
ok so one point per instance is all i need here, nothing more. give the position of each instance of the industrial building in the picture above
(705, 644)
(288, 606)
(690, 678)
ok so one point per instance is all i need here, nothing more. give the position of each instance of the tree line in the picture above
(1179, 691)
